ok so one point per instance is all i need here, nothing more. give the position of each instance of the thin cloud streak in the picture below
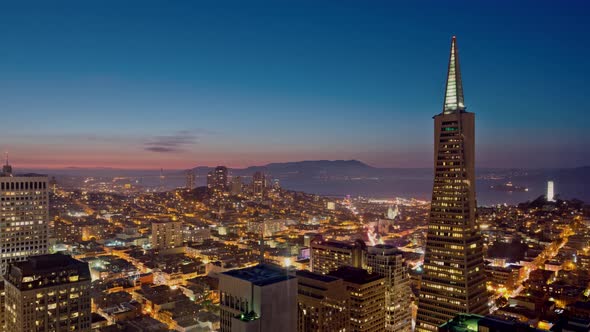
(178, 142)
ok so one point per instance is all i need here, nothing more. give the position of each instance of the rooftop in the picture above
(261, 274)
(22, 175)
(315, 276)
(47, 270)
(355, 275)
(49, 263)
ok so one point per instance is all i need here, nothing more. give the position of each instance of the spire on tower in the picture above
(7, 169)
(454, 90)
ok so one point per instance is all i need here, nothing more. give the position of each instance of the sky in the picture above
(175, 84)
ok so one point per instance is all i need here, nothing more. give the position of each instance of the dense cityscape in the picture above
(248, 255)
(196, 167)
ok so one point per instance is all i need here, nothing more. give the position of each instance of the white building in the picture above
(550, 191)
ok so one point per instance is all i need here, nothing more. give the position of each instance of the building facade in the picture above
(167, 234)
(327, 256)
(217, 180)
(190, 179)
(366, 293)
(453, 281)
(322, 303)
(258, 298)
(388, 262)
(258, 185)
(24, 216)
(48, 293)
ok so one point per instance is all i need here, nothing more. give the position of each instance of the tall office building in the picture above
(235, 187)
(453, 281)
(217, 180)
(258, 298)
(550, 191)
(167, 234)
(388, 262)
(366, 293)
(24, 216)
(190, 179)
(327, 256)
(322, 303)
(48, 293)
(258, 185)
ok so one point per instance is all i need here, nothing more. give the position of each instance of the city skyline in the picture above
(271, 166)
(276, 84)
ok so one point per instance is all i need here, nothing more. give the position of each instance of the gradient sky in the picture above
(174, 84)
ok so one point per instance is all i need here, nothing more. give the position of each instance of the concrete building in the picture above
(327, 256)
(217, 180)
(235, 187)
(24, 216)
(267, 227)
(167, 234)
(48, 293)
(550, 191)
(190, 179)
(322, 303)
(258, 185)
(258, 298)
(366, 293)
(453, 281)
(388, 262)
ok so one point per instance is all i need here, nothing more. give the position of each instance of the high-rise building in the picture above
(388, 262)
(2, 306)
(322, 303)
(48, 293)
(327, 256)
(366, 293)
(453, 281)
(6, 168)
(217, 180)
(258, 185)
(258, 298)
(235, 187)
(550, 191)
(24, 216)
(167, 234)
(190, 179)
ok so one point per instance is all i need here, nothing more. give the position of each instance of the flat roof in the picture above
(24, 175)
(355, 275)
(261, 274)
(315, 276)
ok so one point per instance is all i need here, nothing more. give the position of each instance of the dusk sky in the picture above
(175, 84)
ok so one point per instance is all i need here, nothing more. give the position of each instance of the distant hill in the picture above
(353, 177)
(322, 169)
(306, 168)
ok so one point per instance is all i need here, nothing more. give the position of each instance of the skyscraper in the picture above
(48, 293)
(327, 256)
(24, 215)
(550, 191)
(236, 185)
(190, 179)
(322, 303)
(258, 298)
(217, 180)
(366, 293)
(453, 280)
(258, 185)
(388, 262)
